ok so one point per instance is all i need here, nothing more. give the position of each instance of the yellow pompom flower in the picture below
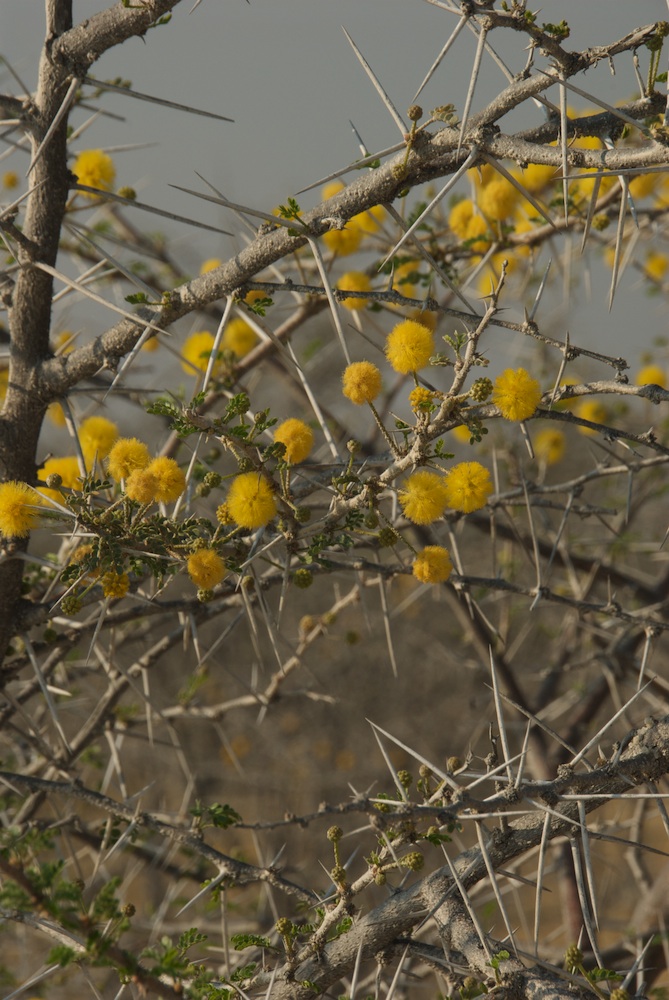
(592, 410)
(170, 479)
(68, 470)
(432, 564)
(115, 585)
(536, 176)
(94, 169)
(251, 501)
(401, 275)
(462, 434)
(96, 437)
(656, 265)
(516, 394)
(239, 337)
(354, 281)
(460, 216)
(643, 185)
(210, 264)
(371, 220)
(17, 516)
(298, 438)
(141, 486)
(127, 455)
(206, 568)
(478, 234)
(409, 346)
(361, 382)
(651, 375)
(423, 498)
(344, 242)
(498, 199)
(10, 180)
(550, 446)
(468, 487)
(197, 351)
(331, 189)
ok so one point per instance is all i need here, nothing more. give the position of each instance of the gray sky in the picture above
(285, 72)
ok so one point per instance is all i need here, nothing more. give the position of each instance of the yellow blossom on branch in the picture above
(94, 169)
(298, 438)
(344, 241)
(251, 501)
(651, 375)
(423, 498)
(421, 400)
(210, 264)
(498, 199)
(361, 382)
(432, 564)
(170, 479)
(127, 455)
(206, 568)
(96, 437)
(592, 410)
(68, 471)
(460, 216)
(197, 351)
(239, 337)
(115, 585)
(468, 487)
(141, 486)
(17, 514)
(550, 445)
(516, 394)
(656, 265)
(354, 281)
(409, 346)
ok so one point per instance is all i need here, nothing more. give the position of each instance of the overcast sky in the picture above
(284, 71)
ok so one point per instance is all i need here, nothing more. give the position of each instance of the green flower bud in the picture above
(481, 389)
(573, 957)
(303, 578)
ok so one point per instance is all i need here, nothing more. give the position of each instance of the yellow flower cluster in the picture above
(298, 438)
(196, 352)
(361, 382)
(344, 242)
(354, 281)
(550, 446)
(115, 585)
(516, 394)
(423, 498)
(17, 509)
(251, 501)
(94, 169)
(239, 337)
(421, 399)
(205, 568)
(126, 456)
(409, 346)
(96, 437)
(161, 481)
(68, 471)
(432, 564)
(467, 487)
(652, 375)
